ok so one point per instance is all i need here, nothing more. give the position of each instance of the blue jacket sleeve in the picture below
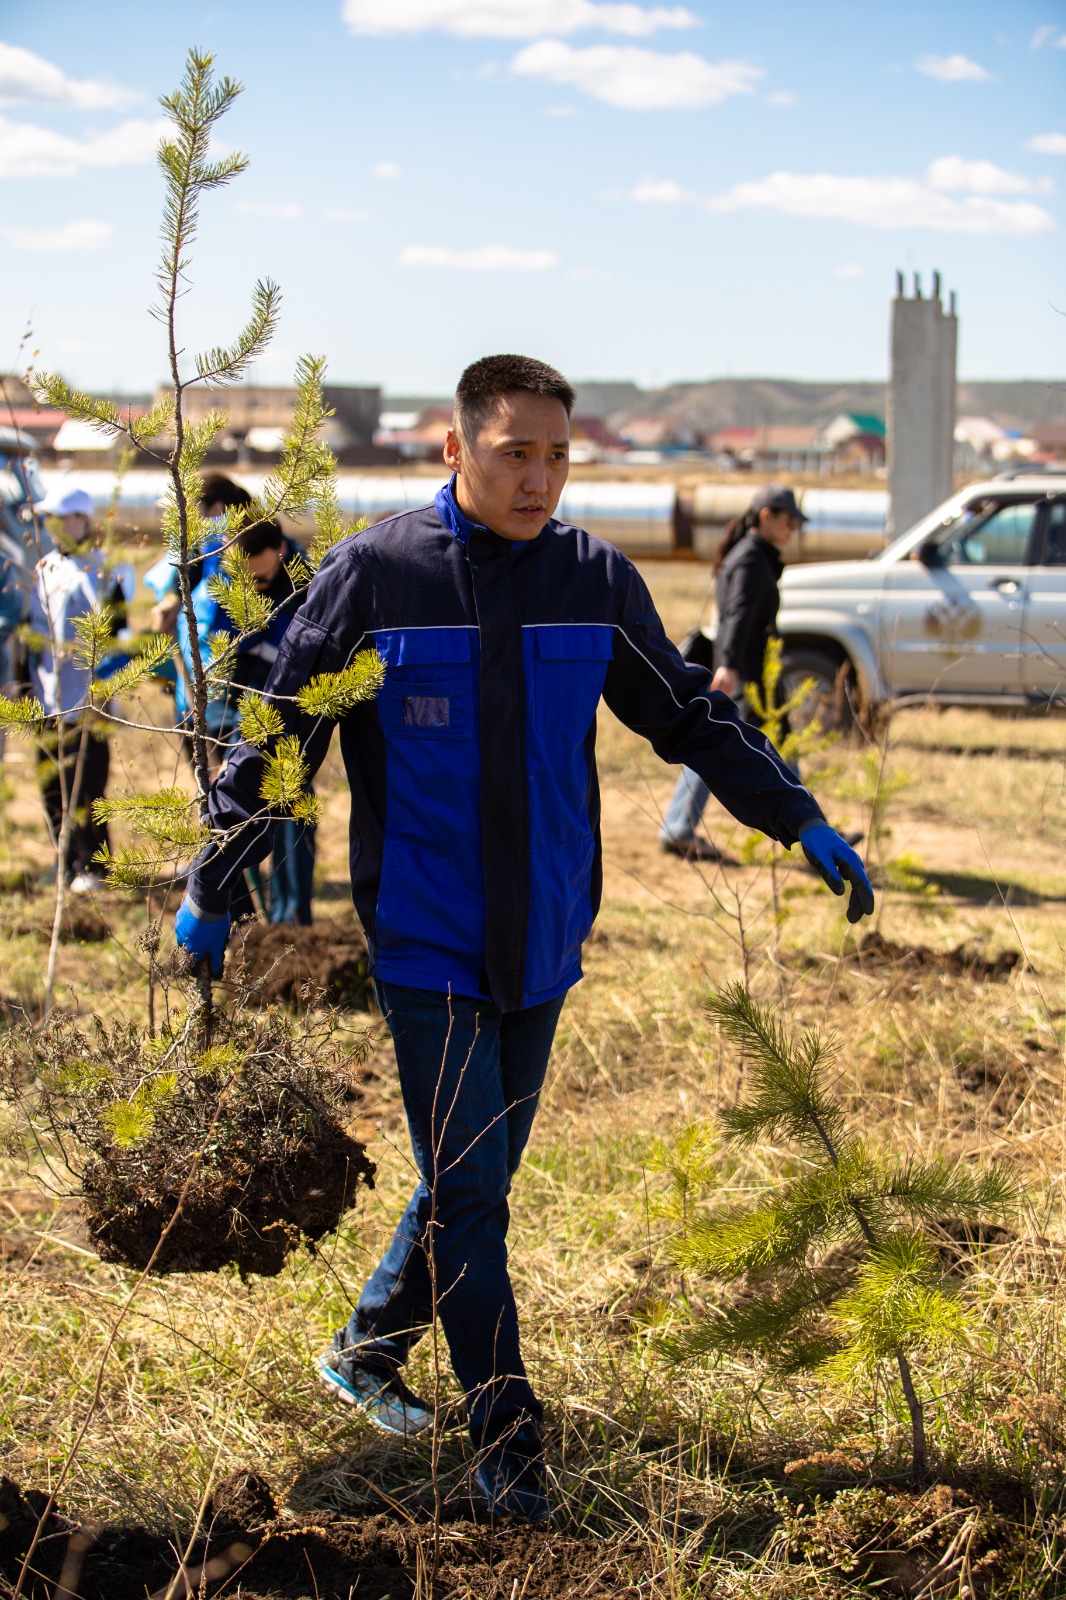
(671, 704)
(322, 637)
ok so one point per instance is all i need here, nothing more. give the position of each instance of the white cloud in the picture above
(979, 177)
(848, 269)
(883, 203)
(386, 169)
(637, 80)
(510, 19)
(25, 77)
(1048, 34)
(660, 192)
(280, 210)
(781, 97)
(953, 69)
(29, 151)
(489, 258)
(1047, 144)
(68, 236)
(868, 202)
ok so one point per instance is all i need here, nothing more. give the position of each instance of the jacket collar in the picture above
(458, 525)
(769, 551)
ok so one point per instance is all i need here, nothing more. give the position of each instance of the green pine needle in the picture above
(21, 716)
(154, 651)
(285, 775)
(334, 694)
(900, 1302)
(94, 637)
(788, 1097)
(260, 720)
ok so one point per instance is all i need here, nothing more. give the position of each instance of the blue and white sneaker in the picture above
(512, 1475)
(376, 1387)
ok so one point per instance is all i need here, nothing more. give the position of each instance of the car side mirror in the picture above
(929, 554)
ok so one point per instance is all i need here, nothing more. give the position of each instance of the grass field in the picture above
(708, 1481)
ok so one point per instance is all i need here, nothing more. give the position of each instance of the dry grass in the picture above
(687, 1471)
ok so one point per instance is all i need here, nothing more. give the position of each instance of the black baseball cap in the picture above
(775, 497)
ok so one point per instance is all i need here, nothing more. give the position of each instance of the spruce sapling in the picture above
(839, 1267)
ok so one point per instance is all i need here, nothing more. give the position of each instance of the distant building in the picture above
(258, 417)
(415, 435)
(856, 441)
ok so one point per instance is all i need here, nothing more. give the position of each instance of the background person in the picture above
(271, 555)
(747, 569)
(475, 856)
(69, 582)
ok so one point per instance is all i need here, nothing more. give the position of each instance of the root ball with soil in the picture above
(249, 1134)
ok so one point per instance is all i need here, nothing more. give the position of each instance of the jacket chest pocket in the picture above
(428, 692)
(570, 665)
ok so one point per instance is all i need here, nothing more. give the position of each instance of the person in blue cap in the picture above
(475, 857)
(747, 569)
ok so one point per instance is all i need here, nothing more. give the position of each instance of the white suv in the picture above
(966, 608)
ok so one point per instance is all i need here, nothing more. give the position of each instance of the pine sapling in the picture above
(839, 1268)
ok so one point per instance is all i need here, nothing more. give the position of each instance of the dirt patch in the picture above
(324, 964)
(332, 1557)
(80, 925)
(965, 960)
(907, 1542)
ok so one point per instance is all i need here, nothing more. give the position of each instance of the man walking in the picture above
(475, 856)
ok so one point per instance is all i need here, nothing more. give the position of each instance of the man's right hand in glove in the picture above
(202, 933)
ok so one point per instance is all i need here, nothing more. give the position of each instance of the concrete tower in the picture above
(921, 404)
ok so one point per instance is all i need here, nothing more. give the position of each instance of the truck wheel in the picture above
(831, 701)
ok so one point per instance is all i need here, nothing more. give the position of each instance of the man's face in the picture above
(510, 477)
(265, 567)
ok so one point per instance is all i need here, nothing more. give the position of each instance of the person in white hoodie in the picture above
(69, 582)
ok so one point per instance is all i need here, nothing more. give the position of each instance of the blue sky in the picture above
(622, 187)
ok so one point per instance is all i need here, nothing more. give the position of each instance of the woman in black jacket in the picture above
(747, 570)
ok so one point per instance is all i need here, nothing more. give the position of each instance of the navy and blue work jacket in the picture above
(475, 843)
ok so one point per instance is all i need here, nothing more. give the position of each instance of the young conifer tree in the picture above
(171, 826)
(840, 1271)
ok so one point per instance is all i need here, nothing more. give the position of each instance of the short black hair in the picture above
(488, 380)
(220, 490)
(259, 537)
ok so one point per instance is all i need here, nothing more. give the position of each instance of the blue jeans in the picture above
(470, 1076)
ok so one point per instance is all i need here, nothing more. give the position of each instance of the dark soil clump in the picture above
(324, 964)
(965, 960)
(80, 925)
(254, 1211)
(189, 1156)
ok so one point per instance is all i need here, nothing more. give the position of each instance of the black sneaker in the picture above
(692, 849)
(512, 1476)
(373, 1384)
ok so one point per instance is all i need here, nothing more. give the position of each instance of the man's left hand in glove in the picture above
(836, 862)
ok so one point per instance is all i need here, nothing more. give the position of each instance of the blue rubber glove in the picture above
(202, 933)
(834, 861)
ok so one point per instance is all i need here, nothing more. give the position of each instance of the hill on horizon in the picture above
(766, 402)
